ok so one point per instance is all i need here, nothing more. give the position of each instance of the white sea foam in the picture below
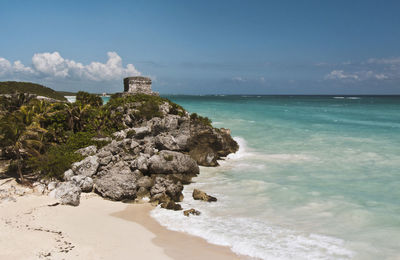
(254, 236)
(71, 99)
(247, 153)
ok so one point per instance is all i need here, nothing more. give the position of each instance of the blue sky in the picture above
(204, 47)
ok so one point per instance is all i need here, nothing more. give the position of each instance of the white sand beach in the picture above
(96, 229)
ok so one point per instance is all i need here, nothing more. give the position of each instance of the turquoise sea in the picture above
(316, 177)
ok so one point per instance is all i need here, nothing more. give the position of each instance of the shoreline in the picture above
(177, 245)
(97, 229)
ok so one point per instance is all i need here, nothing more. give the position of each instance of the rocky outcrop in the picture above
(68, 193)
(117, 186)
(165, 190)
(10, 190)
(201, 195)
(192, 211)
(207, 145)
(171, 205)
(85, 183)
(168, 162)
(90, 150)
(151, 158)
(87, 167)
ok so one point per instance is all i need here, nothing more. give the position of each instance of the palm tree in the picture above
(77, 114)
(21, 140)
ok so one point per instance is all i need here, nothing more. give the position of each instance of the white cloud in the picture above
(238, 79)
(21, 68)
(387, 61)
(50, 64)
(358, 75)
(5, 66)
(381, 76)
(53, 65)
(340, 74)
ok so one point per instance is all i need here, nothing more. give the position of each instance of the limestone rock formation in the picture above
(201, 195)
(151, 158)
(168, 162)
(117, 186)
(85, 183)
(86, 167)
(171, 205)
(191, 211)
(90, 150)
(68, 193)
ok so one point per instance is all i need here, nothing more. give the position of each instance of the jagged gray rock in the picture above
(83, 182)
(86, 167)
(206, 144)
(141, 132)
(90, 150)
(191, 211)
(171, 205)
(117, 186)
(201, 195)
(169, 162)
(68, 174)
(145, 182)
(39, 187)
(141, 163)
(52, 185)
(166, 141)
(68, 193)
(165, 189)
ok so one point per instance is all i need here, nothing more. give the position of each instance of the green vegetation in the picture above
(66, 93)
(200, 119)
(169, 157)
(14, 102)
(12, 87)
(130, 134)
(58, 158)
(41, 137)
(89, 99)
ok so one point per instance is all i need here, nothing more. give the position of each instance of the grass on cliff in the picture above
(146, 106)
(11, 87)
(200, 119)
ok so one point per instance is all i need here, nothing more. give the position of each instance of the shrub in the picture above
(131, 133)
(200, 119)
(89, 99)
(55, 161)
(168, 157)
(176, 109)
(59, 158)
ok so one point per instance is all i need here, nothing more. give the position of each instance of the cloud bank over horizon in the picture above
(55, 71)
(52, 66)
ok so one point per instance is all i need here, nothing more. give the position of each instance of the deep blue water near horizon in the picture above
(316, 177)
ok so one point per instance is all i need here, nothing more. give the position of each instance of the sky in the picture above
(204, 47)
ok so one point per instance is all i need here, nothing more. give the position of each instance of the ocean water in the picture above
(316, 177)
(72, 99)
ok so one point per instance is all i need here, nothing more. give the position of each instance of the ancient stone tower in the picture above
(138, 85)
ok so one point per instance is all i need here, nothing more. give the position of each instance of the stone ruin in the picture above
(138, 85)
